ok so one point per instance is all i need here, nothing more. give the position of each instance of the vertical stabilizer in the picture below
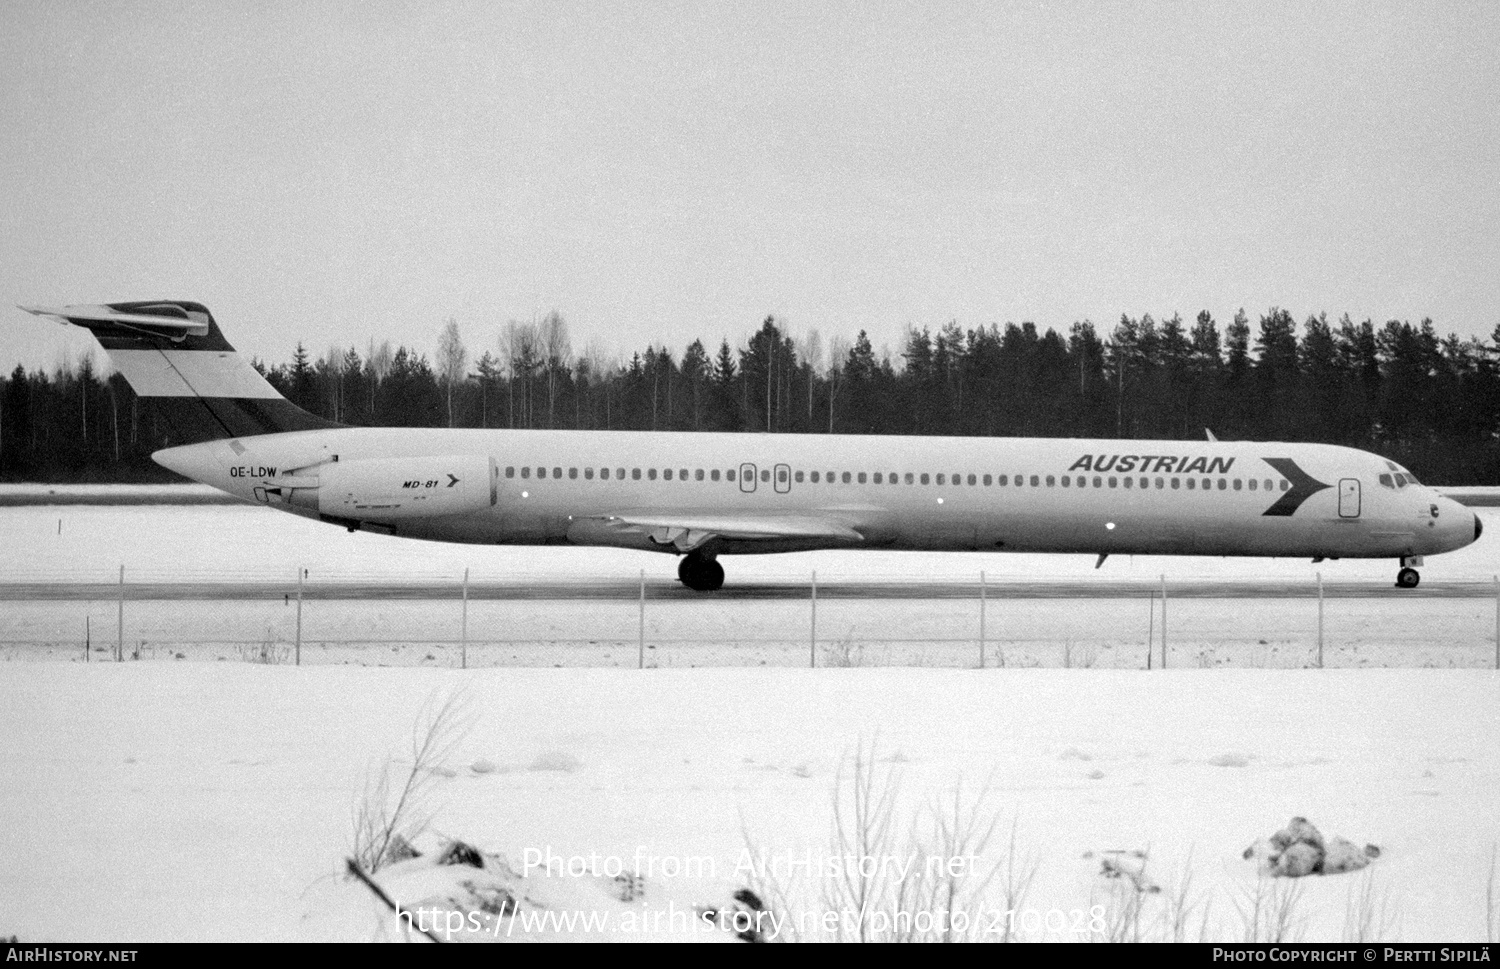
(172, 352)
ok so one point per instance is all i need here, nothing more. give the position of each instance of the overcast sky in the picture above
(662, 171)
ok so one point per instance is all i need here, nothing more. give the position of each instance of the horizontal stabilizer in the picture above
(149, 319)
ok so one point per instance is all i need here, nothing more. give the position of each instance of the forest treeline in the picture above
(1398, 389)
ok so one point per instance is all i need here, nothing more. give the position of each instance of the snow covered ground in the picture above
(82, 543)
(214, 801)
(252, 544)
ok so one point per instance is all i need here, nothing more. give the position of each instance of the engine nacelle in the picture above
(393, 489)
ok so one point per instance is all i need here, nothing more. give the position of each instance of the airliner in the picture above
(702, 496)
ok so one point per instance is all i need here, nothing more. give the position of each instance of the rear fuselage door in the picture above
(747, 477)
(1348, 497)
(783, 479)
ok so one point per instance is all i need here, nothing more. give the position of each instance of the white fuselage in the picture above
(1010, 494)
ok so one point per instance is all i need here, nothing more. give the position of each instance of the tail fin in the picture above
(172, 351)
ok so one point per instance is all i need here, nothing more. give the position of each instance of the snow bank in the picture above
(214, 800)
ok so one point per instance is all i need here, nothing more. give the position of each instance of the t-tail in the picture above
(172, 352)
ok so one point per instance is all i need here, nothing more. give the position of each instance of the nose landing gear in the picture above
(700, 573)
(1408, 578)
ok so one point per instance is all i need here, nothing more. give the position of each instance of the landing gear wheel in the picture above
(699, 573)
(1407, 579)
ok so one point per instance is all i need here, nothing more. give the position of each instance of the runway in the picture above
(670, 590)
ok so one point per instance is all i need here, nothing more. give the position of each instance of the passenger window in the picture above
(698, 475)
(1034, 481)
(1175, 483)
(651, 474)
(909, 477)
(1286, 486)
(861, 477)
(635, 474)
(588, 474)
(895, 478)
(1129, 482)
(729, 475)
(1160, 484)
(877, 478)
(1223, 485)
(781, 475)
(1237, 484)
(798, 477)
(510, 472)
(1208, 484)
(620, 473)
(1051, 481)
(973, 480)
(557, 472)
(1002, 480)
(1066, 481)
(1113, 482)
(924, 479)
(1253, 483)
(604, 474)
(541, 472)
(942, 479)
(987, 481)
(846, 477)
(765, 476)
(714, 474)
(814, 477)
(958, 479)
(667, 474)
(573, 474)
(526, 472)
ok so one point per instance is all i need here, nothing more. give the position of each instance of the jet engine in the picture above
(395, 489)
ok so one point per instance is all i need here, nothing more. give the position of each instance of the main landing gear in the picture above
(700, 573)
(1408, 578)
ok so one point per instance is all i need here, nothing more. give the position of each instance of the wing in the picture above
(689, 530)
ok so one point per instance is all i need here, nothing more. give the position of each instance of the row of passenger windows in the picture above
(911, 478)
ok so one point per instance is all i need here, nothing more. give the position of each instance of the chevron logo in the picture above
(1304, 486)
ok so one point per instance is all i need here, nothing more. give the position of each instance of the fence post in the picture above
(1320, 620)
(813, 645)
(299, 616)
(641, 661)
(981, 620)
(1151, 631)
(120, 620)
(463, 648)
(1164, 620)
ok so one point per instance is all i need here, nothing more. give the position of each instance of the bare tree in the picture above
(453, 360)
(838, 353)
(378, 359)
(557, 353)
(811, 351)
(520, 344)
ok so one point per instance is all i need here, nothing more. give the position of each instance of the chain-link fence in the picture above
(655, 624)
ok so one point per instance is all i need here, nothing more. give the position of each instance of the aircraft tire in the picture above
(1407, 579)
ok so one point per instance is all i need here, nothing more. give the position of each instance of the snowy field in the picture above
(243, 543)
(214, 801)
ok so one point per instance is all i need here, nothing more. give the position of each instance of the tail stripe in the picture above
(190, 373)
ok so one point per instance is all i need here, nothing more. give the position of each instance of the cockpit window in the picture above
(1387, 481)
(1401, 481)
